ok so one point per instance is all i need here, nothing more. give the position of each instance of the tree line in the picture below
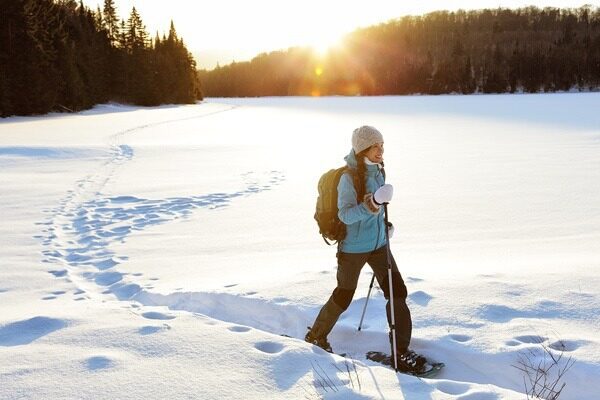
(58, 55)
(486, 51)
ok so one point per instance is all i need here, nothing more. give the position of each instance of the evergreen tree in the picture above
(136, 35)
(60, 55)
(122, 36)
(111, 21)
(467, 84)
(98, 19)
(441, 52)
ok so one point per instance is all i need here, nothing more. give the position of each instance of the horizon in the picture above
(327, 23)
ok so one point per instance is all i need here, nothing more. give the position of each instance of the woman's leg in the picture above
(379, 264)
(349, 266)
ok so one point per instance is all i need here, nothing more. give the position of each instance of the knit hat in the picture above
(365, 137)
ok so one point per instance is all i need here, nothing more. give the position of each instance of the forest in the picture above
(481, 51)
(58, 55)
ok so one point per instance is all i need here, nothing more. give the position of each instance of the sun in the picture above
(325, 41)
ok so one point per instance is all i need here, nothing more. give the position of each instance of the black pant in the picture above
(349, 267)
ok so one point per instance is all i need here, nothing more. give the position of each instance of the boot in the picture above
(324, 323)
(411, 362)
(318, 341)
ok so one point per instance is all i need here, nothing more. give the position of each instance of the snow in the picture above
(162, 252)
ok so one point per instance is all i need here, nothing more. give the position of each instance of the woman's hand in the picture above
(390, 230)
(370, 204)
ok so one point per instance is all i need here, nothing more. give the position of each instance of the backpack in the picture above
(326, 214)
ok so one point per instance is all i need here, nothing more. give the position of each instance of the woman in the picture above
(361, 193)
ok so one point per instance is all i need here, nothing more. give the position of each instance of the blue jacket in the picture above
(365, 230)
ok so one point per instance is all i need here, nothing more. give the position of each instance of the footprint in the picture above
(77, 258)
(124, 199)
(105, 264)
(90, 239)
(59, 274)
(231, 285)
(498, 313)
(531, 339)
(108, 278)
(421, 298)
(99, 363)
(460, 338)
(565, 345)
(157, 315)
(280, 300)
(149, 330)
(121, 230)
(452, 388)
(49, 298)
(54, 254)
(269, 347)
(26, 331)
(125, 292)
(239, 329)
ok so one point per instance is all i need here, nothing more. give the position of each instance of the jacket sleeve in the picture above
(349, 210)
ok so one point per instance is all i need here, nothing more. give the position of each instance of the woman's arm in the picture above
(349, 211)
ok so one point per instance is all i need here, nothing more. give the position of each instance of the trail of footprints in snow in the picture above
(79, 234)
(558, 345)
(266, 346)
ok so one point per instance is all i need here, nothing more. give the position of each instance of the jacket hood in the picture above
(351, 159)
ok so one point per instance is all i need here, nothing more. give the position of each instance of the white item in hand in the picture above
(384, 194)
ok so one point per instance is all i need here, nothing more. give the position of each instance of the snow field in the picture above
(178, 243)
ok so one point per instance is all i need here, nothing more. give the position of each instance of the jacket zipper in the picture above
(378, 221)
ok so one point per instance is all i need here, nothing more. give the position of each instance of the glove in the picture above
(370, 204)
(390, 230)
(383, 194)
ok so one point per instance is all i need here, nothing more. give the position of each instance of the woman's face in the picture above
(375, 153)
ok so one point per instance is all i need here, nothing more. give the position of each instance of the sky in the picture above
(234, 30)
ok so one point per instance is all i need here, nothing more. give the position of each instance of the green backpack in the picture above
(326, 214)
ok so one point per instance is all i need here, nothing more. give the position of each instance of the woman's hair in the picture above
(360, 181)
(361, 175)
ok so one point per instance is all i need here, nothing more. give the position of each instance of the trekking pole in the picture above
(389, 262)
(366, 302)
